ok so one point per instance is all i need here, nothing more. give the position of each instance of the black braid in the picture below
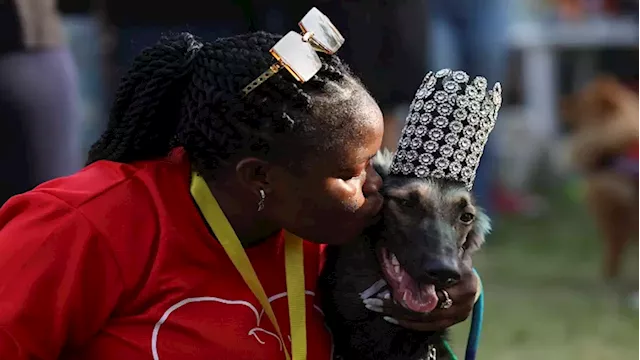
(187, 91)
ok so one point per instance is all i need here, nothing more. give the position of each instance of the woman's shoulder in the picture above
(113, 196)
(114, 204)
(106, 185)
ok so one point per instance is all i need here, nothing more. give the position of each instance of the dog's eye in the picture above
(467, 217)
(404, 202)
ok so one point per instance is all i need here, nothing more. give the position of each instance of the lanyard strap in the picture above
(294, 267)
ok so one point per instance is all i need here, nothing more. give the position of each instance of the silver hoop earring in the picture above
(261, 201)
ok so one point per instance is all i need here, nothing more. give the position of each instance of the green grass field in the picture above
(544, 293)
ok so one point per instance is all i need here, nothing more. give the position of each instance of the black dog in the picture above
(426, 230)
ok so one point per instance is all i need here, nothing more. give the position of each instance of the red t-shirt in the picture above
(115, 262)
(633, 152)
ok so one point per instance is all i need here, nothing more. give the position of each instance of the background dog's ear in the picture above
(481, 228)
(607, 83)
(605, 92)
(569, 110)
(382, 162)
(596, 101)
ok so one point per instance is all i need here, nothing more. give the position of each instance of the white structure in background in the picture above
(540, 41)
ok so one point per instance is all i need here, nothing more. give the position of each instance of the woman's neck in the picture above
(243, 215)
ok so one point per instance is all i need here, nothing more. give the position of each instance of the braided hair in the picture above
(184, 92)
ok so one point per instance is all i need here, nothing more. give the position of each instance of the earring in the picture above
(261, 201)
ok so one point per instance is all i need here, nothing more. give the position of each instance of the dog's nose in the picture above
(444, 272)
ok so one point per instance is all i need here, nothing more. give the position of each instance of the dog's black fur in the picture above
(418, 229)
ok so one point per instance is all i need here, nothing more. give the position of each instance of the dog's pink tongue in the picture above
(422, 300)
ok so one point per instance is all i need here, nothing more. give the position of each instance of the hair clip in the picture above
(297, 52)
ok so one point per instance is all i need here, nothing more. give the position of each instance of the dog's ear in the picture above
(382, 162)
(481, 228)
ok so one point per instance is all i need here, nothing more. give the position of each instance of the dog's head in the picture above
(597, 103)
(429, 229)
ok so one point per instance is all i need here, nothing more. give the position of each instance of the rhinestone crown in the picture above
(447, 128)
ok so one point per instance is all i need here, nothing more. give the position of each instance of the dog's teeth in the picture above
(396, 269)
(394, 260)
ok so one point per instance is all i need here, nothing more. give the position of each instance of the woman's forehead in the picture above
(350, 134)
(357, 148)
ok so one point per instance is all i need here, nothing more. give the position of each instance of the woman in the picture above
(116, 261)
(40, 130)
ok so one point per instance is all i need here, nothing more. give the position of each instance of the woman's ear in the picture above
(252, 173)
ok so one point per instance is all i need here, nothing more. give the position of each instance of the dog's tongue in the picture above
(423, 299)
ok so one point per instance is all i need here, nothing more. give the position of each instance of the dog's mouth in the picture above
(406, 291)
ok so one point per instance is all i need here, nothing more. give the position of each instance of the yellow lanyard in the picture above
(294, 267)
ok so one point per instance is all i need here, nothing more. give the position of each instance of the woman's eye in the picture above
(467, 217)
(352, 176)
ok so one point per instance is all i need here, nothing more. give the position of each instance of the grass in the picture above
(544, 293)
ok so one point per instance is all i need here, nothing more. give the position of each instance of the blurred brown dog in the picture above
(602, 120)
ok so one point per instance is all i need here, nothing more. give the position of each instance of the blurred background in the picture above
(560, 268)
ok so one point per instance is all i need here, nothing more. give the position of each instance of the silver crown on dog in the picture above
(447, 127)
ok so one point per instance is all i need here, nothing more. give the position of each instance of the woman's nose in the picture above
(372, 183)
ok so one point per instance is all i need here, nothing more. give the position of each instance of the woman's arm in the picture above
(59, 281)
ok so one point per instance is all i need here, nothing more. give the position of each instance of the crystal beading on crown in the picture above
(447, 127)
